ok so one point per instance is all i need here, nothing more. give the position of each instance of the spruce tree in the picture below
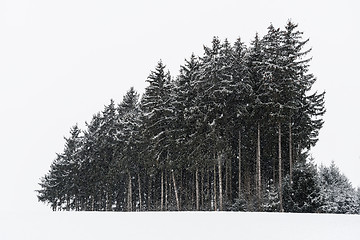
(158, 115)
(186, 128)
(129, 144)
(258, 98)
(337, 193)
(271, 199)
(302, 194)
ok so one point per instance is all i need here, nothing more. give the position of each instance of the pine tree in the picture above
(186, 130)
(258, 99)
(129, 144)
(271, 200)
(358, 200)
(305, 110)
(60, 185)
(158, 117)
(302, 194)
(337, 193)
(274, 83)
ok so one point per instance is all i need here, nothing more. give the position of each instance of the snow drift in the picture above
(178, 225)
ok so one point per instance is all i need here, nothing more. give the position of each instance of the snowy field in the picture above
(183, 225)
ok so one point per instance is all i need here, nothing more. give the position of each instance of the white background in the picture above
(62, 61)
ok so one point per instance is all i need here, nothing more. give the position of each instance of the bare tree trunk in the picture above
(274, 170)
(193, 191)
(290, 151)
(169, 190)
(208, 189)
(215, 200)
(280, 169)
(129, 195)
(226, 196)
(258, 167)
(166, 193)
(140, 200)
(149, 195)
(107, 201)
(77, 203)
(181, 186)
(239, 190)
(230, 197)
(68, 204)
(162, 191)
(176, 192)
(247, 180)
(202, 189)
(220, 185)
(228, 180)
(197, 189)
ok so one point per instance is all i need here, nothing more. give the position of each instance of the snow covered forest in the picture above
(231, 132)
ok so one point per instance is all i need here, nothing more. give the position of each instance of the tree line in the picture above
(230, 132)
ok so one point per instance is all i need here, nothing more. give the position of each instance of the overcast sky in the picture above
(62, 61)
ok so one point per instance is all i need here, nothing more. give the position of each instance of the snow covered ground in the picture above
(174, 225)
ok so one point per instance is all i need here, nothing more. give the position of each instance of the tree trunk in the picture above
(107, 204)
(274, 170)
(176, 192)
(67, 204)
(197, 189)
(258, 167)
(230, 181)
(220, 185)
(192, 187)
(202, 189)
(129, 195)
(290, 151)
(140, 200)
(149, 195)
(208, 188)
(280, 169)
(247, 180)
(214, 183)
(166, 193)
(162, 191)
(239, 190)
(227, 194)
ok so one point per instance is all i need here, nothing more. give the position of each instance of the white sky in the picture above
(62, 61)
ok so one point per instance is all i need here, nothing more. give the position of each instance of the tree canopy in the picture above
(226, 131)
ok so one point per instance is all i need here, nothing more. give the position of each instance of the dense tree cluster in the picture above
(223, 135)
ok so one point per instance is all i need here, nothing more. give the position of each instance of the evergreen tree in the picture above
(186, 130)
(302, 194)
(271, 200)
(337, 194)
(129, 146)
(158, 115)
(60, 185)
(258, 98)
(358, 200)
(305, 110)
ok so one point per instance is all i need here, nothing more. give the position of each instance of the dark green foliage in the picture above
(271, 201)
(302, 195)
(240, 204)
